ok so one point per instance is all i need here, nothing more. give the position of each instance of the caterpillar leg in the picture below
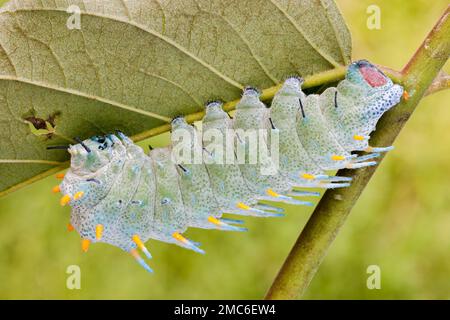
(307, 177)
(331, 185)
(323, 185)
(195, 243)
(366, 157)
(343, 158)
(321, 181)
(221, 225)
(334, 179)
(215, 223)
(141, 246)
(235, 221)
(139, 260)
(379, 149)
(361, 165)
(296, 193)
(274, 196)
(359, 162)
(186, 243)
(266, 207)
(245, 210)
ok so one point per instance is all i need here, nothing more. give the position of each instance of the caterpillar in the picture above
(121, 196)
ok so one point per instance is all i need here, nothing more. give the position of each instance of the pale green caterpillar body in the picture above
(122, 196)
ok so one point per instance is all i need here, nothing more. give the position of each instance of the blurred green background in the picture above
(401, 223)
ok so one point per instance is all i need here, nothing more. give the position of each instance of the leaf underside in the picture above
(135, 64)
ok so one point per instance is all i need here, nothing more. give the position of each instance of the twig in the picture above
(441, 82)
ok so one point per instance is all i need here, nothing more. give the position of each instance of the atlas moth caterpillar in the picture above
(122, 196)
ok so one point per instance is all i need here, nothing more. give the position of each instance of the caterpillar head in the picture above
(374, 94)
(94, 153)
(364, 73)
(382, 94)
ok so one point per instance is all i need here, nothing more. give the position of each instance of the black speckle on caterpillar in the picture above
(122, 196)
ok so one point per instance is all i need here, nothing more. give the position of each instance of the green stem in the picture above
(331, 213)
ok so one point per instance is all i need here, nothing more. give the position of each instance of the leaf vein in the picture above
(84, 95)
(247, 43)
(333, 27)
(303, 33)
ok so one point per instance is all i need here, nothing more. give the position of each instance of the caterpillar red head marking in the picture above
(369, 73)
(121, 196)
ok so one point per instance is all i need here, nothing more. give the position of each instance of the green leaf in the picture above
(135, 64)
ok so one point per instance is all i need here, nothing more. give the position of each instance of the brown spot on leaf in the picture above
(38, 123)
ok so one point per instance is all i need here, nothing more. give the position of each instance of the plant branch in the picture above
(331, 212)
